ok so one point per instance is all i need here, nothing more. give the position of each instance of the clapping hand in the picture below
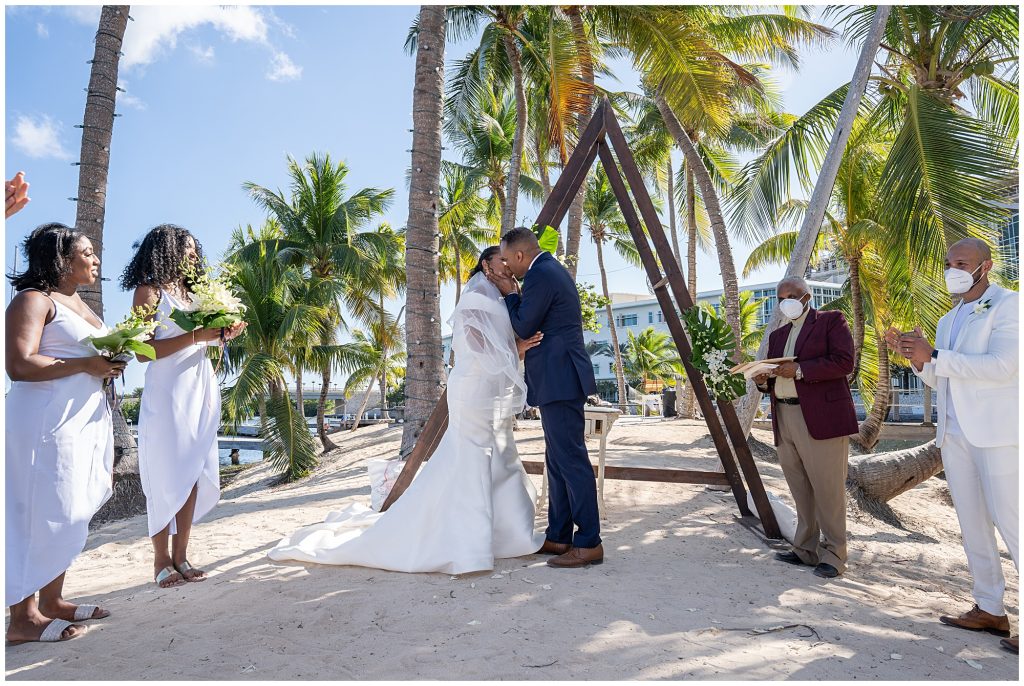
(16, 194)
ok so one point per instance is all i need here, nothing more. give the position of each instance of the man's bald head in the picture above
(792, 287)
(979, 247)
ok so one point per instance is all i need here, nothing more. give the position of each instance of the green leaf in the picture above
(548, 239)
(140, 348)
(184, 320)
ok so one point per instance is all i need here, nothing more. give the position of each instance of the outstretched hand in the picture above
(15, 194)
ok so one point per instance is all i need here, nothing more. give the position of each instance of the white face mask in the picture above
(960, 281)
(791, 308)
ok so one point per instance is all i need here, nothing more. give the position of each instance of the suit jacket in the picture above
(980, 370)
(559, 367)
(824, 351)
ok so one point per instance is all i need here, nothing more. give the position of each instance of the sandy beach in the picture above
(686, 592)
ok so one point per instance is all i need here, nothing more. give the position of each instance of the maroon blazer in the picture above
(824, 351)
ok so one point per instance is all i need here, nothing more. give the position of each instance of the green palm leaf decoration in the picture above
(713, 343)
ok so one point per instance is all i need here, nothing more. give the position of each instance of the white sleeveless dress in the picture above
(59, 453)
(178, 421)
(472, 502)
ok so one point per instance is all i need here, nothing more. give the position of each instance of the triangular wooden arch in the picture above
(600, 137)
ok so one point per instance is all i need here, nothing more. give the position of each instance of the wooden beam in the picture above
(675, 326)
(670, 476)
(426, 444)
(573, 174)
(678, 284)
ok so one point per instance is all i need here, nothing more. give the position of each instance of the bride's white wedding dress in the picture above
(472, 501)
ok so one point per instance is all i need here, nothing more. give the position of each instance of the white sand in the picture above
(682, 594)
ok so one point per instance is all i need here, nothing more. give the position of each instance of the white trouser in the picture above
(984, 486)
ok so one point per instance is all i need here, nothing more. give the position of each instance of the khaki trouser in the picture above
(816, 473)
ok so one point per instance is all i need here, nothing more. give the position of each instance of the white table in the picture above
(599, 421)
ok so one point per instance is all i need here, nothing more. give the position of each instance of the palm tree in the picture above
(466, 222)
(651, 356)
(93, 168)
(425, 373)
(283, 314)
(605, 223)
(382, 359)
(324, 230)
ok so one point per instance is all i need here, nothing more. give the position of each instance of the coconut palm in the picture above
(326, 232)
(605, 223)
(284, 313)
(382, 360)
(466, 222)
(651, 356)
(425, 375)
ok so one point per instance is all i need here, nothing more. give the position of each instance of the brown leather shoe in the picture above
(552, 548)
(1011, 644)
(977, 619)
(578, 557)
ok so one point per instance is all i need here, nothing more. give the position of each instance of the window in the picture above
(626, 320)
(611, 367)
(597, 369)
(661, 316)
(650, 317)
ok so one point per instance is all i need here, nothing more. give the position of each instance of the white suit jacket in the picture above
(980, 370)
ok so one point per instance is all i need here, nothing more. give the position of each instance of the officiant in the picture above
(812, 419)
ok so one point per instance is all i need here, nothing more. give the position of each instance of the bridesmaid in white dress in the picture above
(59, 446)
(472, 502)
(180, 410)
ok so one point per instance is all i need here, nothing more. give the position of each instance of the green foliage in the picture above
(712, 344)
(130, 409)
(309, 407)
(590, 302)
(548, 238)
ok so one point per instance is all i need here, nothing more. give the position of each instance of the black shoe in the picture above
(789, 557)
(826, 571)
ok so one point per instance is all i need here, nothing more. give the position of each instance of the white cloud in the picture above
(41, 30)
(127, 99)
(85, 14)
(203, 54)
(283, 69)
(39, 137)
(156, 29)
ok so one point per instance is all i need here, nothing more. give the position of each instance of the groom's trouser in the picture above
(572, 487)
(984, 485)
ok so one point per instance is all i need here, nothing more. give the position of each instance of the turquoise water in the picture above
(246, 456)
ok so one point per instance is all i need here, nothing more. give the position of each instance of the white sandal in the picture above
(84, 612)
(53, 632)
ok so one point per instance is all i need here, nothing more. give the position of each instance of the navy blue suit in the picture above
(559, 377)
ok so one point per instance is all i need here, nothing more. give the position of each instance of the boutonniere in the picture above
(980, 307)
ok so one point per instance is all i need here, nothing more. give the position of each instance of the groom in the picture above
(559, 377)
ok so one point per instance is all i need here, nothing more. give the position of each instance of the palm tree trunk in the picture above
(691, 265)
(927, 418)
(362, 407)
(672, 212)
(620, 378)
(883, 476)
(508, 217)
(384, 414)
(871, 428)
(542, 165)
(97, 131)
(263, 417)
(808, 236)
(857, 304)
(425, 371)
(694, 164)
(574, 228)
(298, 392)
(94, 167)
(325, 384)
(458, 272)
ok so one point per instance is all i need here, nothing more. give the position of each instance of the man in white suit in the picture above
(974, 368)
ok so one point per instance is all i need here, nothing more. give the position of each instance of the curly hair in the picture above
(487, 254)
(158, 257)
(48, 249)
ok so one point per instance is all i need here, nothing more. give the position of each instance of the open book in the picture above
(751, 369)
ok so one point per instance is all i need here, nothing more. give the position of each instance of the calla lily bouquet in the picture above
(212, 305)
(129, 337)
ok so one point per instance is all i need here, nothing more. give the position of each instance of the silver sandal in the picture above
(186, 566)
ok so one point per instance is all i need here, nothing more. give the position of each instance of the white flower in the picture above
(982, 306)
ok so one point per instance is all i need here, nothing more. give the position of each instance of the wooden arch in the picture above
(601, 136)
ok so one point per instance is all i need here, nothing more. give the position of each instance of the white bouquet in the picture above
(212, 304)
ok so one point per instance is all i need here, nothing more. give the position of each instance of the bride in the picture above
(472, 501)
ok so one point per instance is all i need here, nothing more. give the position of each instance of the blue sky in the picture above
(220, 95)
